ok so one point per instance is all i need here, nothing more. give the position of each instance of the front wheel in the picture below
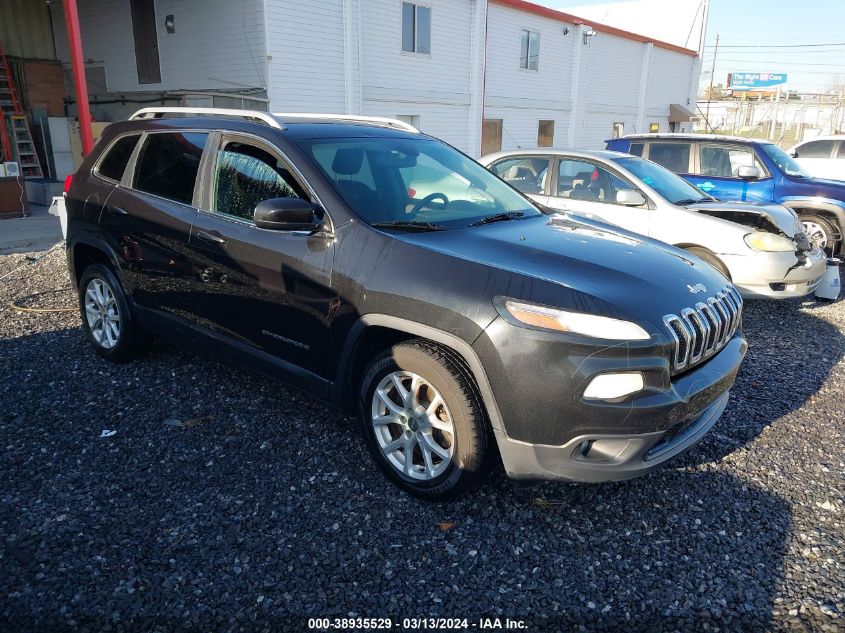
(820, 231)
(423, 421)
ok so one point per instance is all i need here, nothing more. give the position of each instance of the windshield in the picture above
(414, 182)
(787, 164)
(670, 186)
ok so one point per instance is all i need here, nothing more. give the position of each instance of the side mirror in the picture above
(286, 214)
(630, 198)
(748, 172)
(794, 154)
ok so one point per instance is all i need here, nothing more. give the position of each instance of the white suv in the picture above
(762, 248)
(823, 156)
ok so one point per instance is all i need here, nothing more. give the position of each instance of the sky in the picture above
(770, 36)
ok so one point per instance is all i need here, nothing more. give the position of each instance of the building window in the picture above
(410, 119)
(416, 28)
(529, 50)
(545, 133)
(491, 136)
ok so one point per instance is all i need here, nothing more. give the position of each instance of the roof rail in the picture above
(377, 120)
(254, 115)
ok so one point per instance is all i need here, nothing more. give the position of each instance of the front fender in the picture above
(817, 203)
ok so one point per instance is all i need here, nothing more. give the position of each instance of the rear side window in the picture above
(114, 162)
(673, 156)
(168, 164)
(841, 154)
(528, 174)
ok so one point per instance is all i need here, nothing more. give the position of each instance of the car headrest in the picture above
(584, 176)
(347, 161)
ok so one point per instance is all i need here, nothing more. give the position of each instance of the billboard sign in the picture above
(755, 81)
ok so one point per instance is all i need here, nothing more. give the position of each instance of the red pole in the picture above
(75, 42)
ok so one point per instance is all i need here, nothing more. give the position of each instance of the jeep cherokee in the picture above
(296, 245)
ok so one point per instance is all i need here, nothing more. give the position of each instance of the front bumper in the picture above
(775, 275)
(554, 433)
(596, 458)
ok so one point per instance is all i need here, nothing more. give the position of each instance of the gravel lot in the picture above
(269, 510)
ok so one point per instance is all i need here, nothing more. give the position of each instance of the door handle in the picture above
(118, 211)
(211, 238)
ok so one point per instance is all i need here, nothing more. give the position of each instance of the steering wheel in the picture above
(428, 202)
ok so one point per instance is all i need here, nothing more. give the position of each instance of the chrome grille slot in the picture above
(701, 331)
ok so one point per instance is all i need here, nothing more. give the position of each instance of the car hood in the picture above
(817, 187)
(631, 276)
(771, 217)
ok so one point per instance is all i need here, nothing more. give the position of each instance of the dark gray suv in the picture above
(450, 324)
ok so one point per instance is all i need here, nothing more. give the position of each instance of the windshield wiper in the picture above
(499, 217)
(686, 201)
(410, 225)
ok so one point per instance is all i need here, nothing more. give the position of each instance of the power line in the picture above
(779, 62)
(778, 45)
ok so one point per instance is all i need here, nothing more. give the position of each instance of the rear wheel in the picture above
(423, 421)
(820, 231)
(106, 318)
(710, 258)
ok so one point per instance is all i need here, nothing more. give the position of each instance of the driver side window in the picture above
(581, 180)
(246, 175)
(724, 161)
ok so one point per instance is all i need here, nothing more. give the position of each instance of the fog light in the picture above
(612, 386)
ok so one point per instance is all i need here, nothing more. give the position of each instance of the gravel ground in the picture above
(267, 509)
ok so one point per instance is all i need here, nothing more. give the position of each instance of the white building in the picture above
(497, 73)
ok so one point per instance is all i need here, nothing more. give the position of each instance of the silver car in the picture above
(761, 248)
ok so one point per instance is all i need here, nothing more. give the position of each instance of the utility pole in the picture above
(712, 74)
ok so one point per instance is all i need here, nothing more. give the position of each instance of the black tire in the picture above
(470, 461)
(824, 227)
(131, 341)
(710, 258)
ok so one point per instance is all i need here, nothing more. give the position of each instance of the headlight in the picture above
(769, 242)
(576, 322)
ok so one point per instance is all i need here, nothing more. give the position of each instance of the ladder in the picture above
(15, 136)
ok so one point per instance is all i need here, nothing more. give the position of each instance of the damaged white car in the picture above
(761, 248)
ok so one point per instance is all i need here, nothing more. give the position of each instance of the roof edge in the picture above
(530, 7)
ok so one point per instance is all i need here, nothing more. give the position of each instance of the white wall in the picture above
(610, 88)
(305, 42)
(668, 82)
(216, 46)
(435, 86)
(522, 97)
(585, 88)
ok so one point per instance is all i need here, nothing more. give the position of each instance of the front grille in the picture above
(700, 331)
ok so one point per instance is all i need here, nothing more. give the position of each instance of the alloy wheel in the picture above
(816, 233)
(413, 426)
(102, 313)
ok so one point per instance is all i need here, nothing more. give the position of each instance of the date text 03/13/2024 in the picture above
(421, 623)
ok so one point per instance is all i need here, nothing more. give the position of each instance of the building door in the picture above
(146, 41)
(491, 136)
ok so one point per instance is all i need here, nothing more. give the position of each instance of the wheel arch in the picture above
(374, 332)
(688, 245)
(828, 209)
(82, 253)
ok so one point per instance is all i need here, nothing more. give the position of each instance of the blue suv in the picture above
(752, 170)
